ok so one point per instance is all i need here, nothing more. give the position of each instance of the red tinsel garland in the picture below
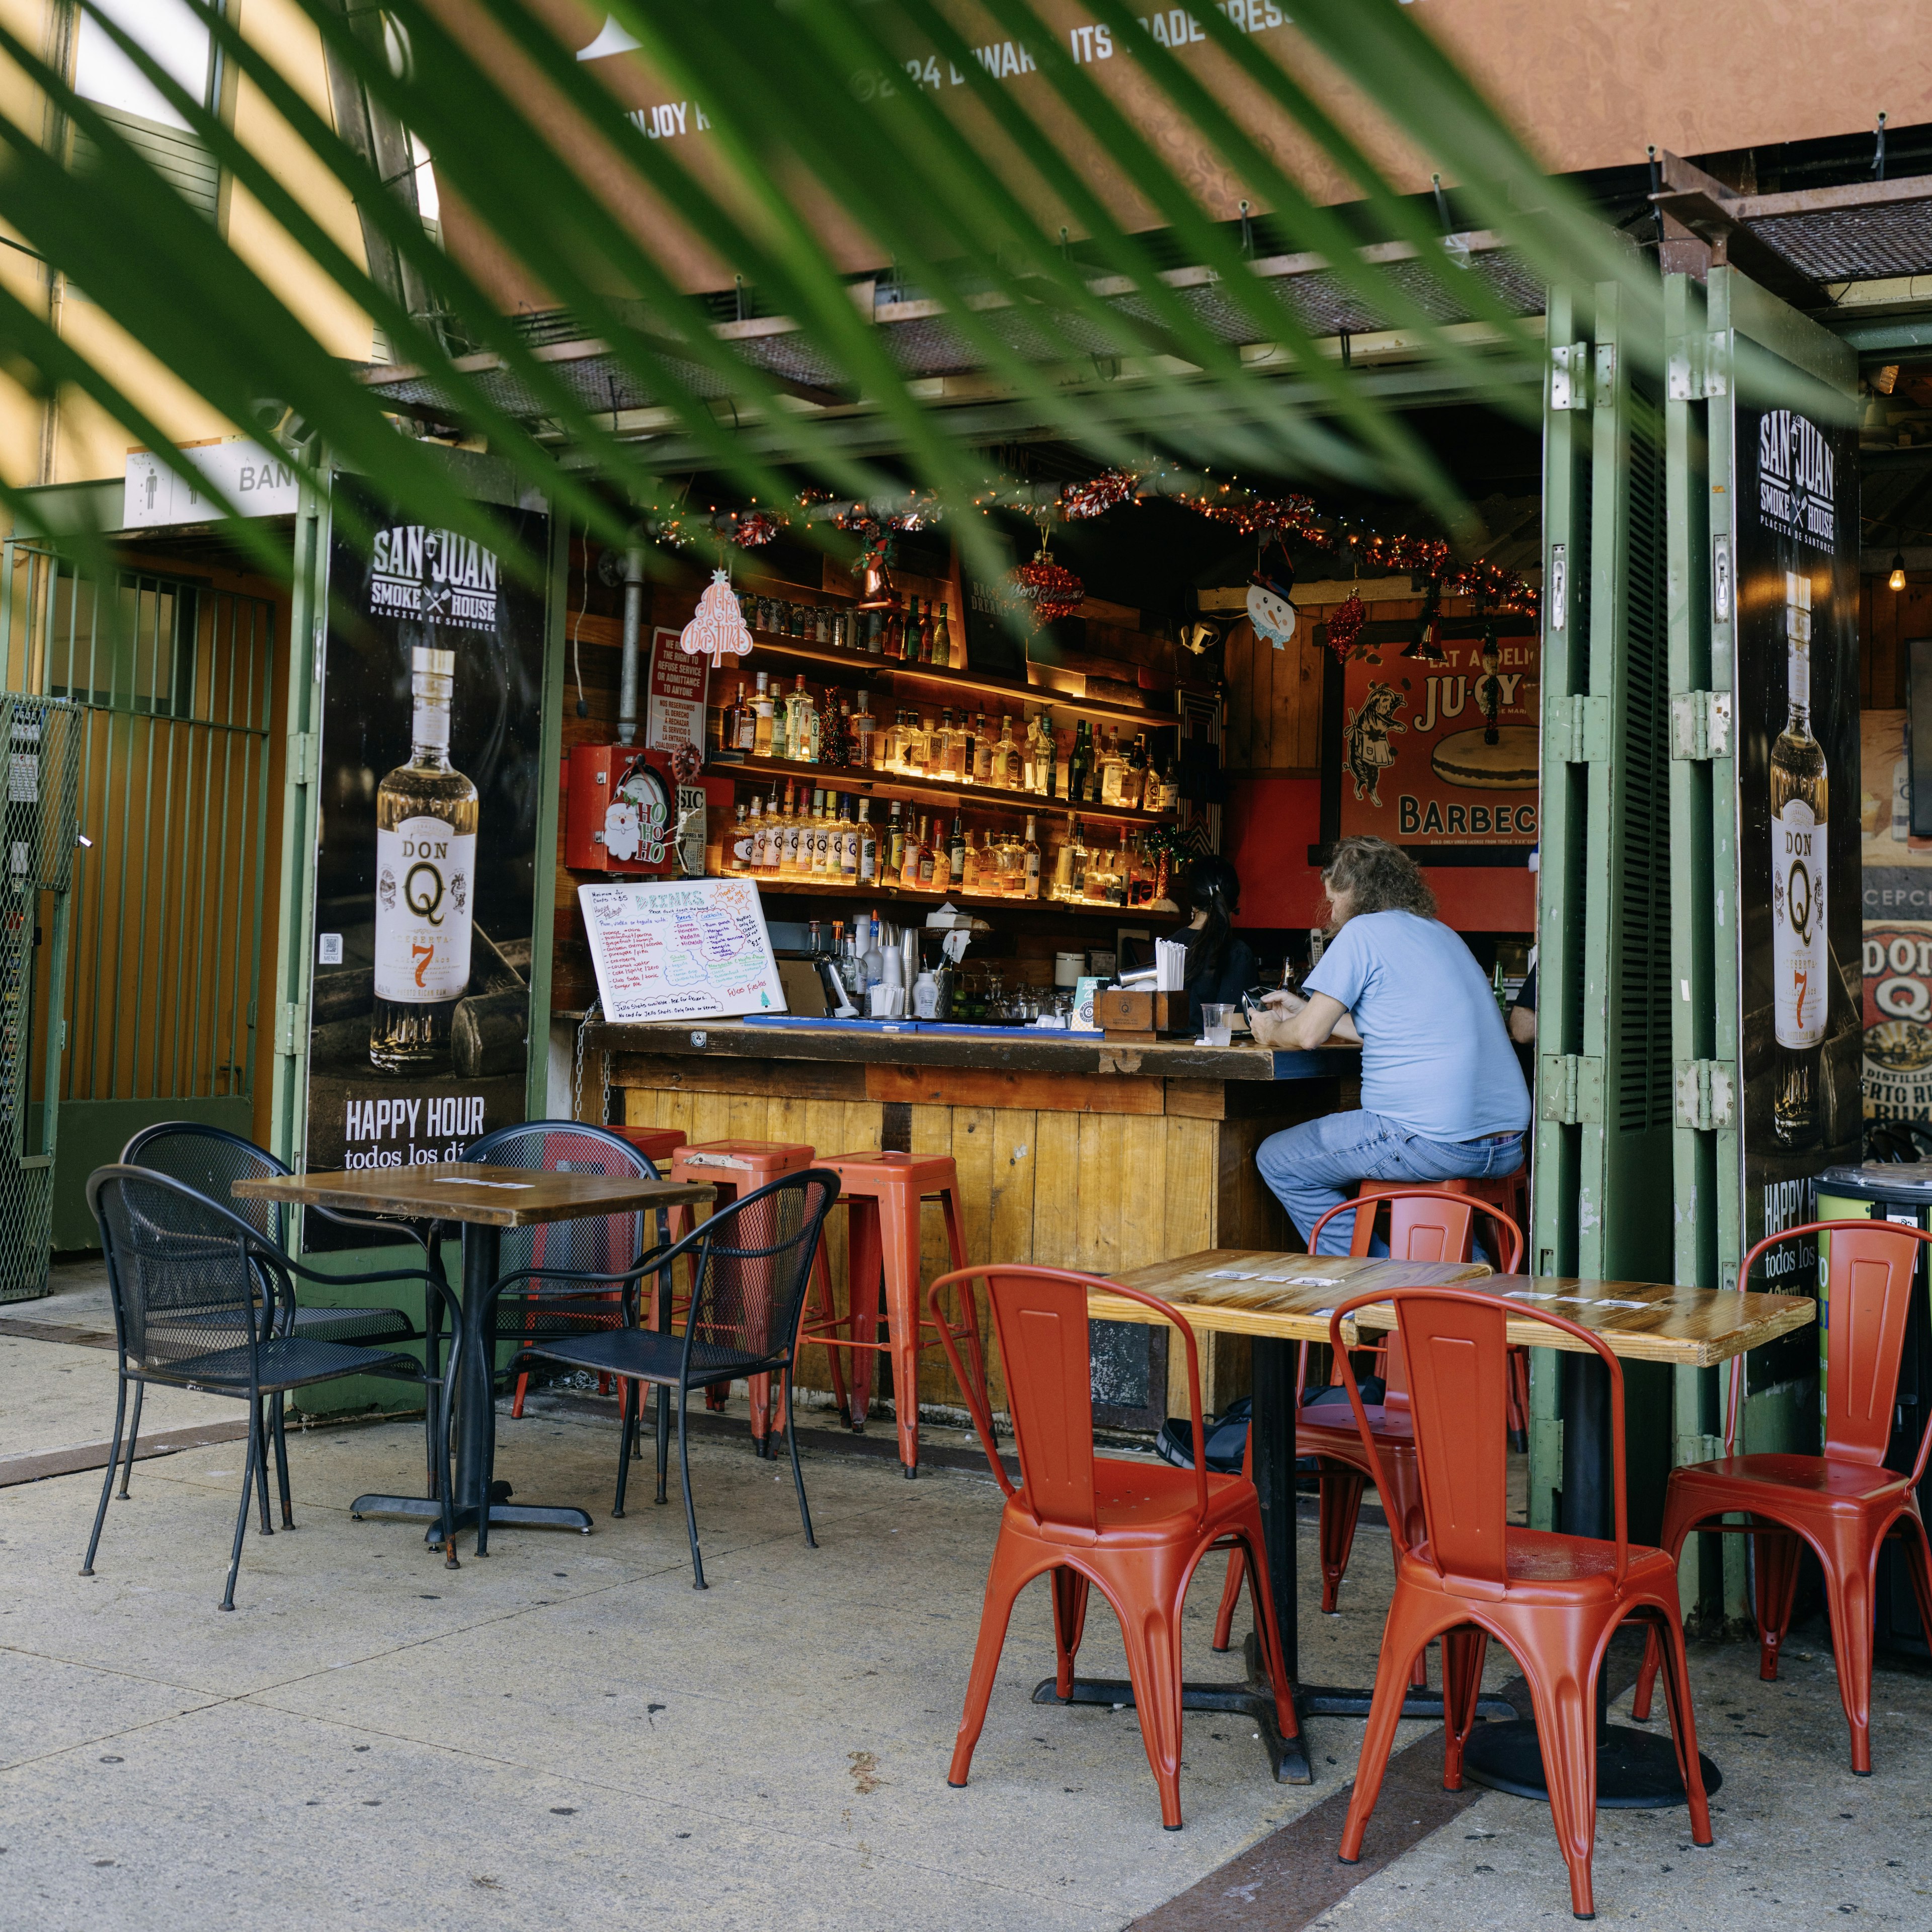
(1263, 516)
(1110, 488)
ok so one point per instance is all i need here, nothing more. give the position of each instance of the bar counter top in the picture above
(994, 1049)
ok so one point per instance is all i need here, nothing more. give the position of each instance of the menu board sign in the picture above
(678, 950)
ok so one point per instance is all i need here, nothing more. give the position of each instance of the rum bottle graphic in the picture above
(425, 883)
(1800, 954)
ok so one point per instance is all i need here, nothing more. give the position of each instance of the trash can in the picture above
(1890, 1191)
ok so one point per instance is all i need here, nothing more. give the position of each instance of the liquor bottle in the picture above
(1076, 877)
(754, 838)
(1063, 865)
(895, 634)
(1079, 764)
(1113, 769)
(728, 737)
(1133, 782)
(426, 815)
(982, 752)
(739, 859)
(1030, 876)
(862, 739)
(942, 640)
(761, 727)
(1007, 762)
(928, 857)
(868, 845)
(804, 734)
(1800, 952)
(955, 853)
(969, 748)
(907, 875)
(925, 634)
(918, 745)
(780, 745)
(978, 866)
(811, 846)
(794, 833)
(774, 835)
(848, 841)
(894, 851)
(1046, 751)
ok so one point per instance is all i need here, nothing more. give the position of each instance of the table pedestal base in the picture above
(1288, 1757)
(504, 1514)
(1636, 1770)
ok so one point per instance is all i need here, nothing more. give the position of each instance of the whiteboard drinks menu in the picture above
(680, 949)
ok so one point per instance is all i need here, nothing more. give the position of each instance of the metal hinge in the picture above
(1571, 1086)
(1569, 374)
(1700, 724)
(1606, 375)
(1707, 1093)
(301, 757)
(1697, 366)
(1577, 729)
(288, 1028)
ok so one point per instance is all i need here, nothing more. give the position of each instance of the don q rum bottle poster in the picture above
(430, 773)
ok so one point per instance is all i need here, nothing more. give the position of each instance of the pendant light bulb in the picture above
(1896, 581)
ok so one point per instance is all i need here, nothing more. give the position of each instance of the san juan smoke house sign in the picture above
(434, 575)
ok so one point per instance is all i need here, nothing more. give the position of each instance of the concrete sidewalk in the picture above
(567, 1734)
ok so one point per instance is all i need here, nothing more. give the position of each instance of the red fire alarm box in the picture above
(624, 812)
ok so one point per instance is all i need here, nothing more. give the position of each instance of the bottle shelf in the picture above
(810, 886)
(865, 783)
(862, 667)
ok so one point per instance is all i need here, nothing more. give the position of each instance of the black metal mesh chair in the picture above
(202, 1301)
(551, 1301)
(750, 1264)
(211, 1160)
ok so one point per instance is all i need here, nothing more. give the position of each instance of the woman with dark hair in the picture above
(1220, 962)
(1442, 1096)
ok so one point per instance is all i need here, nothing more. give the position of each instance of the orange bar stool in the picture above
(735, 1168)
(657, 1145)
(882, 1192)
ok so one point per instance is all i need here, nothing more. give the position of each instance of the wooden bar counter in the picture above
(1071, 1153)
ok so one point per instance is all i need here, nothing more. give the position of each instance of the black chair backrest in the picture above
(211, 1160)
(753, 1263)
(185, 1274)
(600, 1244)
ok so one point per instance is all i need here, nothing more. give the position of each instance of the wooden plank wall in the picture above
(1887, 620)
(1092, 1191)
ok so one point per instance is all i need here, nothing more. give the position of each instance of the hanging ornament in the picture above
(1427, 648)
(754, 529)
(1045, 589)
(1271, 604)
(1345, 627)
(718, 626)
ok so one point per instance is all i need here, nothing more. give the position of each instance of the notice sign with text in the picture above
(1444, 754)
(674, 706)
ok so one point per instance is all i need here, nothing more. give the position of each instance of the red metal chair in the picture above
(1137, 1530)
(882, 1193)
(1844, 1503)
(1510, 1192)
(1426, 1224)
(1465, 1573)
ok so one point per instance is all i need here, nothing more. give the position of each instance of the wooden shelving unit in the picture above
(861, 667)
(867, 783)
(782, 885)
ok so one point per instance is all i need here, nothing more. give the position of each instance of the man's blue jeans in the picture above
(1311, 1167)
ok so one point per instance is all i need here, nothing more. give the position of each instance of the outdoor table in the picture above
(1277, 1300)
(486, 1200)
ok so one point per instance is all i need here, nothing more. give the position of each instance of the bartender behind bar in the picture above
(1443, 1097)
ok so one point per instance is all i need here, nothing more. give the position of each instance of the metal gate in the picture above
(170, 677)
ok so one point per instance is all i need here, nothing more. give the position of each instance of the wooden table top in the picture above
(464, 1190)
(1290, 1298)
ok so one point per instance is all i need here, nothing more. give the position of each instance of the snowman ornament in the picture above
(1270, 603)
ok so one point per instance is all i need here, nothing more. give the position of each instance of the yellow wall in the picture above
(88, 444)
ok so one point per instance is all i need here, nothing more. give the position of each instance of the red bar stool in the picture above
(882, 1192)
(735, 1168)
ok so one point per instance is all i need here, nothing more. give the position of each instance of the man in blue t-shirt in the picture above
(1443, 1097)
